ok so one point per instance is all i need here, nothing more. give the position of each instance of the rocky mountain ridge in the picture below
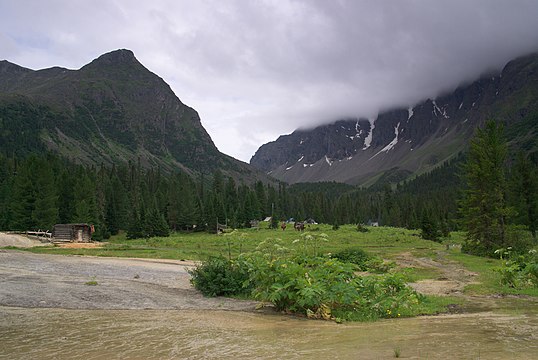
(405, 141)
(110, 110)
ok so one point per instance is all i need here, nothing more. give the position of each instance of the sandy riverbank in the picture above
(75, 282)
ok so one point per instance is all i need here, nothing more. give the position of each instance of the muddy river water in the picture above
(142, 310)
(216, 334)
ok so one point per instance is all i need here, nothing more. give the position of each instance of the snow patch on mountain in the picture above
(437, 111)
(368, 139)
(390, 145)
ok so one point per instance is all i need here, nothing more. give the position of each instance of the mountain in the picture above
(111, 110)
(403, 142)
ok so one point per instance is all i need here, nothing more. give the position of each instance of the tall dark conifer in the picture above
(23, 198)
(484, 207)
(45, 213)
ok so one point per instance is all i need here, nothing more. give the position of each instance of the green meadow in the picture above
(388, 243)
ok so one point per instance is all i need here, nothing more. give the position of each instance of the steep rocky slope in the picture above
(405, 141)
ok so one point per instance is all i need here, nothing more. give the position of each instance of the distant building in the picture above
(72, 232)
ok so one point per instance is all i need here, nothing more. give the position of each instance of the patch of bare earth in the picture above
(80, 245)
(451, 281)
(81, 282)
(17, 240)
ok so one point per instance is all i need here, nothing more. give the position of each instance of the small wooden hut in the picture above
(72, 232)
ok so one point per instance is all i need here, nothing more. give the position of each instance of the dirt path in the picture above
(452, 280)
(75, 282)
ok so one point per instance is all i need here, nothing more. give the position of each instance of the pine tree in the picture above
(155, 223)
(262, 198)
(526, 191)
(429, 228)
(66, 197)
(187, 209)
(135, 229)
(23, 198)
(6, 184)
(45, 213)
(484, 206)
(85, 202)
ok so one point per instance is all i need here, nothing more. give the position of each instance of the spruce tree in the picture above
(135, 230)
(484, 206)
(526, 192)
(23, 199)
(6, 186)
(66, 198)
(429, 228)
(45, 213)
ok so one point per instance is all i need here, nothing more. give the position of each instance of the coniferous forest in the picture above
(38, 191)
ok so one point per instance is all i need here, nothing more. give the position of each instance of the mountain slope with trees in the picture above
(110, 111)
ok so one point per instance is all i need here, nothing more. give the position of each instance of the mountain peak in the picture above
(117, 56)
(114, 59)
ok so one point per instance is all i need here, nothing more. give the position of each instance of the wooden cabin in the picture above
(72, 232)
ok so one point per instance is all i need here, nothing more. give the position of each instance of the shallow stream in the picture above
(501, 329)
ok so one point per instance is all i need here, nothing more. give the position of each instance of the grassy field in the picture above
(385, 242)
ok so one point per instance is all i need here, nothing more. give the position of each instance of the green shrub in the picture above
(297, 280)
(320, 287)
(219, 276)
(378, 265)
(309, 285)
(355, 256)
(518, 271)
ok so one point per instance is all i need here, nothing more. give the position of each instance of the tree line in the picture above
(38, 191)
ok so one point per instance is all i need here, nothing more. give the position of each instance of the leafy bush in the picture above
(355, 256)
(362, 228)
(378, 265)
(518, 271)
(309, 285)
(306, 283)
(519, 239)
(384, 296)
(363, 260)
(219, 276)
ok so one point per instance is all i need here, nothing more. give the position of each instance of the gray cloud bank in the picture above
(258, 69)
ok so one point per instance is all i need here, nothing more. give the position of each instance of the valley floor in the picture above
(68, 306)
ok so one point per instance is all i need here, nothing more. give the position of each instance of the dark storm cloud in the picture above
(257, 69)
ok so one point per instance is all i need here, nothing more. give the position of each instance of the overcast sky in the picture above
(257, 69)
